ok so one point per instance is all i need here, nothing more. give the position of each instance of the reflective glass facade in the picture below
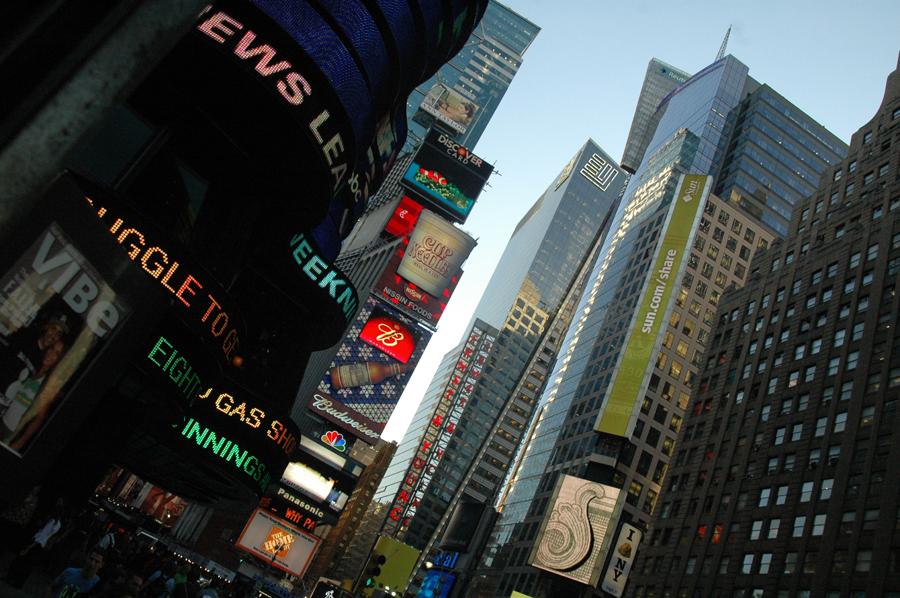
(535, 273)
(660, 80)
(481, 72)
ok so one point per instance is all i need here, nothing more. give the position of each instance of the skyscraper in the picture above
(536, 272)
(480, 74)
(612, 380)
(660, 80)
(784, 480)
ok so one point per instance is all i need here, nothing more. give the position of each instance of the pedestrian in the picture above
(36, 550)
(75, 581)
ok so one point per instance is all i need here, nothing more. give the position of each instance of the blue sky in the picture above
(581, 78)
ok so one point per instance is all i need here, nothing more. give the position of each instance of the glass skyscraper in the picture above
(527, 292)
(660, 80)
(480, 73)
(691, 136)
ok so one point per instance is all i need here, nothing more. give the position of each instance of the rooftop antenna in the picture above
(721, 53)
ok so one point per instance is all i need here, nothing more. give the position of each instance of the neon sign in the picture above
(204, 310)
(227, 450)
(325, 276)
(389, 336)
(251, 416)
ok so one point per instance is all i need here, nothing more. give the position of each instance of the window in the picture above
(854, 260)
(756, 530)
(833, 364)
(799, 526)
(870, 519)
(815, 346)
(773, 529)
(764, 495)
(852, 360)
(806, 491)
(809, 373)
(799, 351)
(868, 416)
(818, 527)
(838, 338)
(781, 497)
(790, 562)
(867, 137)
(796, 432)
(826, 488)
(779, 436)
(863, 561)
(872, 252)
(747, 565)
(821, 425)
(765, 563)
(840, 422)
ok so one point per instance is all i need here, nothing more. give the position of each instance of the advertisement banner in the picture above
(623, 555)
(440, 430)
(450, 107)
(278, 543)
(435, 253)
(575, 530)
(56, 311)
(369, 371)
(634, 369)
(408, 297)
(446, 176)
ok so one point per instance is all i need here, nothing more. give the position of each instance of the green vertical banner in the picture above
(635, 365)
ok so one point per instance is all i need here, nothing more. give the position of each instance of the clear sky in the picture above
(581, 78)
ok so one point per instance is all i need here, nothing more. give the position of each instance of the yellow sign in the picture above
(400, 560)
(631, 377)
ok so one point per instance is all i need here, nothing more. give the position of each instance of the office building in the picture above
(784, 482)
(537, 271)
(479, 76)
(637, 406)
(660, 80)
(775, 157)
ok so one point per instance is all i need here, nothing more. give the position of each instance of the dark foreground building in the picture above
(784, 482)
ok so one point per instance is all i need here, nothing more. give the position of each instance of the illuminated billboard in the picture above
(446, 176)
(623, 555)
(635, 366)
(440, 429)
(450, 107)
(369, 371)
(574, 533)
(56, 312)
(408, 297)
(435, 253)
(278, 543)
(404, 218)
(436, 584)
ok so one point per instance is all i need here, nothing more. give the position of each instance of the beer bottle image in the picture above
(359, 374)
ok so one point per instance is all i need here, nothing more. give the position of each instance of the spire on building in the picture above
(724, 45)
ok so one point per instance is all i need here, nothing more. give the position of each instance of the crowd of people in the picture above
(83, 554)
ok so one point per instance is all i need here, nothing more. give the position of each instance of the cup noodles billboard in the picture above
(450, 107)
(278, 543)
(446, 176)
(370, 370)
(408, 297)
(435, 253)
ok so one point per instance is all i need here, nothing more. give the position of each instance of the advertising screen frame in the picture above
(269, 520)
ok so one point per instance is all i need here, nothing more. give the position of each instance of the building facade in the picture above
(782, 484)
(690, 137)
(536, 272)
(660, 80)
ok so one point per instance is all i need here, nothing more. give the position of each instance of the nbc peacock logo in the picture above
(335, 440)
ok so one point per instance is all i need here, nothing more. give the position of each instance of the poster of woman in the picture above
(50, 302)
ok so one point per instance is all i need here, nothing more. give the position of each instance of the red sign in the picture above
(405, 217)
(388, 335)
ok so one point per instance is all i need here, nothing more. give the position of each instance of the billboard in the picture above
(435, 253)
(278, 543)
(624, 551)
(440, 429)
(400, 560)
(369, 372)
(408, 297)
(436, 584)
(404, 218)
(56, 312)
(446, 176)
(574, 532)
(635, 366)
(450, 107)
